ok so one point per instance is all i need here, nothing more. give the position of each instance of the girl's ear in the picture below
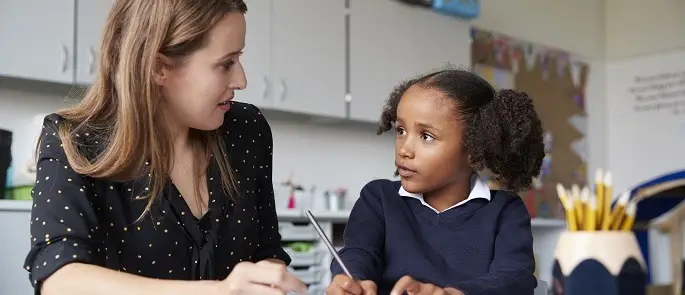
(471, 163)
(163, 68)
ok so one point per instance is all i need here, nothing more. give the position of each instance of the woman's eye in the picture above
(228, 65)
(399, 131)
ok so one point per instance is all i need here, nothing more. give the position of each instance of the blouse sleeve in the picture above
(269, 245)
(62, 216)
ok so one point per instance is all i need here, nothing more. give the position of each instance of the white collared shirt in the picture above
(479, 190)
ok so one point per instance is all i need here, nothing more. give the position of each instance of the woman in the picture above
(156, 182)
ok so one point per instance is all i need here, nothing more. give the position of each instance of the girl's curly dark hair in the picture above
(503, 131)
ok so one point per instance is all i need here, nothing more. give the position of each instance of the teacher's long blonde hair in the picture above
(122, 102)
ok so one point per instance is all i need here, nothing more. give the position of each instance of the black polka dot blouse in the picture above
(76, 218)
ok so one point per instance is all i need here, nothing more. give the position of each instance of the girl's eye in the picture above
(427, 137)
(399, 131)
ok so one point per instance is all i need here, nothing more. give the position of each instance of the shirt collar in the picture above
(479, 190)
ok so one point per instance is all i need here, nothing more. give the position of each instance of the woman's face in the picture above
(197, 93)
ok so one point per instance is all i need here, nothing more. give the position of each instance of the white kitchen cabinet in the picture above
(16, 243)
(256, 58)
(37, 39)
(392, 42)
(91, 16)
(381, 54)
(294, 60)
(439, 39)
(308, 56)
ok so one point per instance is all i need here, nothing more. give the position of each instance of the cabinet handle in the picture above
(265, 87)
(65, 58)
(91, 60)
(283, 89)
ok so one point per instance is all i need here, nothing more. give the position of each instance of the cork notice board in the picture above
(556, 81)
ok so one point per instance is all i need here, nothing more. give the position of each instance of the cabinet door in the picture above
(16, 243)
(381, 53)
(308, 56)
(440, 39)
(256, 59)
(91, 15)
(37, 39)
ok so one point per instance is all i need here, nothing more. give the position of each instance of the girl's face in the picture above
(429, 148)
(194, 91)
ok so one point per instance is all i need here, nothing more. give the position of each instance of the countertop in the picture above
(292, 215)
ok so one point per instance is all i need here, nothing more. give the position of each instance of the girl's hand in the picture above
(263, 277)
(413, 287)
(342, 284)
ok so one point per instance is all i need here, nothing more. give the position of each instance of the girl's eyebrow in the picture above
(425, 126)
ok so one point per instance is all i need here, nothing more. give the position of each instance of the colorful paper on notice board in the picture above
(498, 78)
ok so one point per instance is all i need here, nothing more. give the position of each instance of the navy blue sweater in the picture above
(481, 247)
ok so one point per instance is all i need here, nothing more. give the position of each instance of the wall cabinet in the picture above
(308, 56)
(256, 58)
(295, 59)
(16, 243)
(51, 40)
(391, 42)
(381, 53)
(37, 39)
(91, 16)
(301, 56)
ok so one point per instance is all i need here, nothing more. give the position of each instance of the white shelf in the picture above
(294, 215)
(299, 215)
(15, 205)
(548, 223)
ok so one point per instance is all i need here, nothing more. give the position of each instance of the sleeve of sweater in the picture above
(364, 236)
(511, 270)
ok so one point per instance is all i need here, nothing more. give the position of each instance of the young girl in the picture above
(440, 229)
(157, 182)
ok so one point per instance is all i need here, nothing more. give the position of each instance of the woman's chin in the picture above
(210, 123)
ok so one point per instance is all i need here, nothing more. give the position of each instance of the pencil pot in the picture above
(598, 263)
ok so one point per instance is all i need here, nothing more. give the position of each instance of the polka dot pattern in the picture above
(76, 218)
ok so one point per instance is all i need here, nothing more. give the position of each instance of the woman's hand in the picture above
(263, 277)
(413, 287)
(342, 284)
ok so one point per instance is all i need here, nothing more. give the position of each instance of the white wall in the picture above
(643, 38)
(638, 27)
(645, 145)
(648, 143)
(642, 150)
(328, 156)
(576, 26)
(643, 48)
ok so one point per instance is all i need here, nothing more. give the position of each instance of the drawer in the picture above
(309, 258)
(310, 276)
(295, 232)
